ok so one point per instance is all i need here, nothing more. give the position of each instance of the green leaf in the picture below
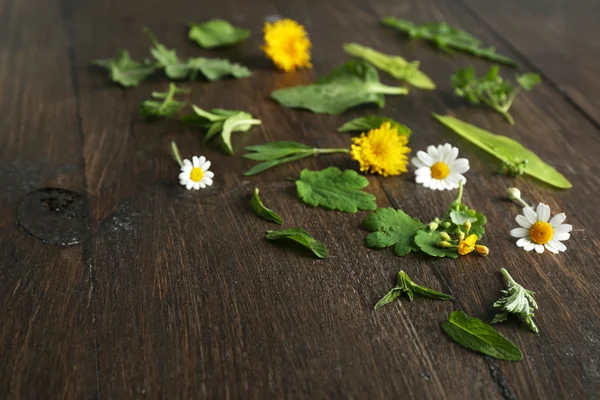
(427, 242)
(406, 286)
(166, 108)
(446, 37)
(125, 71)
(349, 85)
(460, 217)
(259, 209)
(396, 66)
(333, 189)
(528, 81)
(301, 236)
(221, 121)
(167, 58)
(516, 300)
(391, 227)
(476, 335)
(365, 124)
(216, 33)
(506, 150)
(216, 68)
(258, 168)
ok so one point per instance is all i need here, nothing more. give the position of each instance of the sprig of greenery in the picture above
(491, 89)
(406, 286)
(301, 236)
(276, 153)
(448, 38)
(216, 33)
(220, 121)
(125, 71)
(515, 300)
(167, 106)
(443, 237)
(365, 124)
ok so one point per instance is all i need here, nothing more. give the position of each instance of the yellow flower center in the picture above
(196, 174)
(381, 151)
(439, 170)
(541, 232)
(287, 44)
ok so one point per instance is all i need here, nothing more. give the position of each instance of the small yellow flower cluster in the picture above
(287, 44)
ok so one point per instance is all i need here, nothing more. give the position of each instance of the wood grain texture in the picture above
(177, 294)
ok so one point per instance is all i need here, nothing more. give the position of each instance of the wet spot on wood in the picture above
(56, 216)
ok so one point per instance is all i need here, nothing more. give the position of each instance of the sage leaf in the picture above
(506, 150)
(259, 209)
(448, 38)
(125, 71)
(216, 33)
(476, 335)
(334, 189)
(406, 286)
(396, 66)
(301, 236)
(391, 227)
(365, 124)
(349, 85)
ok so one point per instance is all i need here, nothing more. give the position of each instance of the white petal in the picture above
(539, 248)
(451, 154)
(424, 179)
(418, 163)
(523, 241)
(454, 177)
(425, 158)
(184, 176)
(529, 246)
(183, 182)
(543, 212)
(558, 219)
(433, 152)
(189, 185)
(558, 245)
(206, 166)
(423, 171)
(550, 248)
(207, 181)
(561, 236)
(198, 185)
(530, 215)
(201, 185)
(209, 174)
(523, 222)
(187, 163)
(195, 161)
(201, 161)
(564, 228)
(461, 166)
(519, 232)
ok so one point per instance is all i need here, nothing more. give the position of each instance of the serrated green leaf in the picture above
(391, 227)
(349, 85)
(125, 71)
(216, 33)
(259, 209)
(396, 66)
(506, 150)
(428, 244)
(216, 68)
(333, 189)
(476, 335)
(406, 286)
(301, 236)
(365, 124)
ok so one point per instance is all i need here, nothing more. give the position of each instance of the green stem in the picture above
(326, 151)
(509, 279)
(506, 116)
(522, 202)
(460, 193)
(176, 153)
(384, 89)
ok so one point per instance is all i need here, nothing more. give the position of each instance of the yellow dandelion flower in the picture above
(287, 44)
(381, 151)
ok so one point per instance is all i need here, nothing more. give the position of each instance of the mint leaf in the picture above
(216, 33)
(365, 124)
(259, 209)
(391, 227)
(165, 106)
(125, 71)
(406, 286)
(506, 150)
(349, 85)
(333, 189)
(215, 68)
(427, 242)
(301, 236)
(446, 38)
(396, 66)
(476, 335)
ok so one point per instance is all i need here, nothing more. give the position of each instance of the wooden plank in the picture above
(561, 39)
(46, 324)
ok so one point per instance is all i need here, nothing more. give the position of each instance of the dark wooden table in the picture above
(177, 294)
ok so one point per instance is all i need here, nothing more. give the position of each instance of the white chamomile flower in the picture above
(538, 231)
(439, 169)
(195, 174)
